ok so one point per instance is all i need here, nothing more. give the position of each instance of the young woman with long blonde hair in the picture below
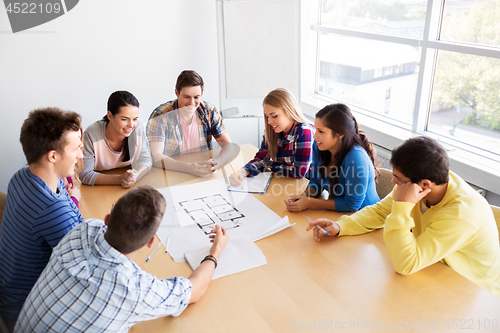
(287, 144)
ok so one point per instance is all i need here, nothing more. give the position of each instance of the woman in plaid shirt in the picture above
(287, 144)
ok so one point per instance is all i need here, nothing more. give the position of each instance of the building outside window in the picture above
(429, 66)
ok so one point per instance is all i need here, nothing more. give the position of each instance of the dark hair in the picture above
(44, 130)
(422, 158)
(339, 119)
(115, 101)
(135, 219)
(188, 78)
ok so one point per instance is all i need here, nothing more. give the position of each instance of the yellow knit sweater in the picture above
(460, 231)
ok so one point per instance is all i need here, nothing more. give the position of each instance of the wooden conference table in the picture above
(345, 283)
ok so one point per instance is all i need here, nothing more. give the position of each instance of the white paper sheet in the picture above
(278, 226)
(256, 184)
(238, 255)
(209, 203)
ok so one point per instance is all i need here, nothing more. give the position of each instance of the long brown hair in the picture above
(115, 101)
(339, 119)
(283, 99)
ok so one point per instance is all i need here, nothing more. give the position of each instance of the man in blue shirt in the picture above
(91, 283)
(39, 210)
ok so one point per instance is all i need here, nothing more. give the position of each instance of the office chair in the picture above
(496, 213)
(3, 199)
(3, 327)
(384, 183)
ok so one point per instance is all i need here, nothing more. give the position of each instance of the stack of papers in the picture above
(256, 184)
(192, 210)
(238, 255)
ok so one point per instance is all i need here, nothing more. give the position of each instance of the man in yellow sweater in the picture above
(432, 215)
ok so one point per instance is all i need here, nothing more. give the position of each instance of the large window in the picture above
(360, 71)
(429, 66)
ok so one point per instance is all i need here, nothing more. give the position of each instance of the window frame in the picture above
(478, 166)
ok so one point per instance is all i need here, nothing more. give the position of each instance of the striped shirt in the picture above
(294, 155)
(164, 125)
(89, 286)
(34, 221)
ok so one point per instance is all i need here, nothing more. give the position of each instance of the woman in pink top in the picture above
(116, 141)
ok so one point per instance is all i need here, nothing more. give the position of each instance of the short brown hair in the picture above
(44, 130)
(188, 78)
(135, 219)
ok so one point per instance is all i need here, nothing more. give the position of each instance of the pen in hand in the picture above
(156, 248)
(238, 178)
(211, 160)
(318, 226)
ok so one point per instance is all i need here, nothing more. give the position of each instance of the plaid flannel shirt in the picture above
(293, 158)
(88, 286)
(164, 125)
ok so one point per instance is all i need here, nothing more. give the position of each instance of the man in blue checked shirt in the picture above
(186, 125)
(91, 283)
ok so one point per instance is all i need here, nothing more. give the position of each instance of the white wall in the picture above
(76, 61)
(258, 51)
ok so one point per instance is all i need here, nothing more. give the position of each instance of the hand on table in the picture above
(199, 169)
(74, 192)
(331, 227)
(212, 164)
(297, 203)
(219, 238)
(129, 178)
(242, 173)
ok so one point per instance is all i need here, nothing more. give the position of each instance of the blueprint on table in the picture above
(193, 209)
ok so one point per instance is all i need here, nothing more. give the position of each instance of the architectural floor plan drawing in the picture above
(193, 208)
(210, 210)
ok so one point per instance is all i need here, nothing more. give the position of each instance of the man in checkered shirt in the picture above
(91, 283)
(186, 125)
